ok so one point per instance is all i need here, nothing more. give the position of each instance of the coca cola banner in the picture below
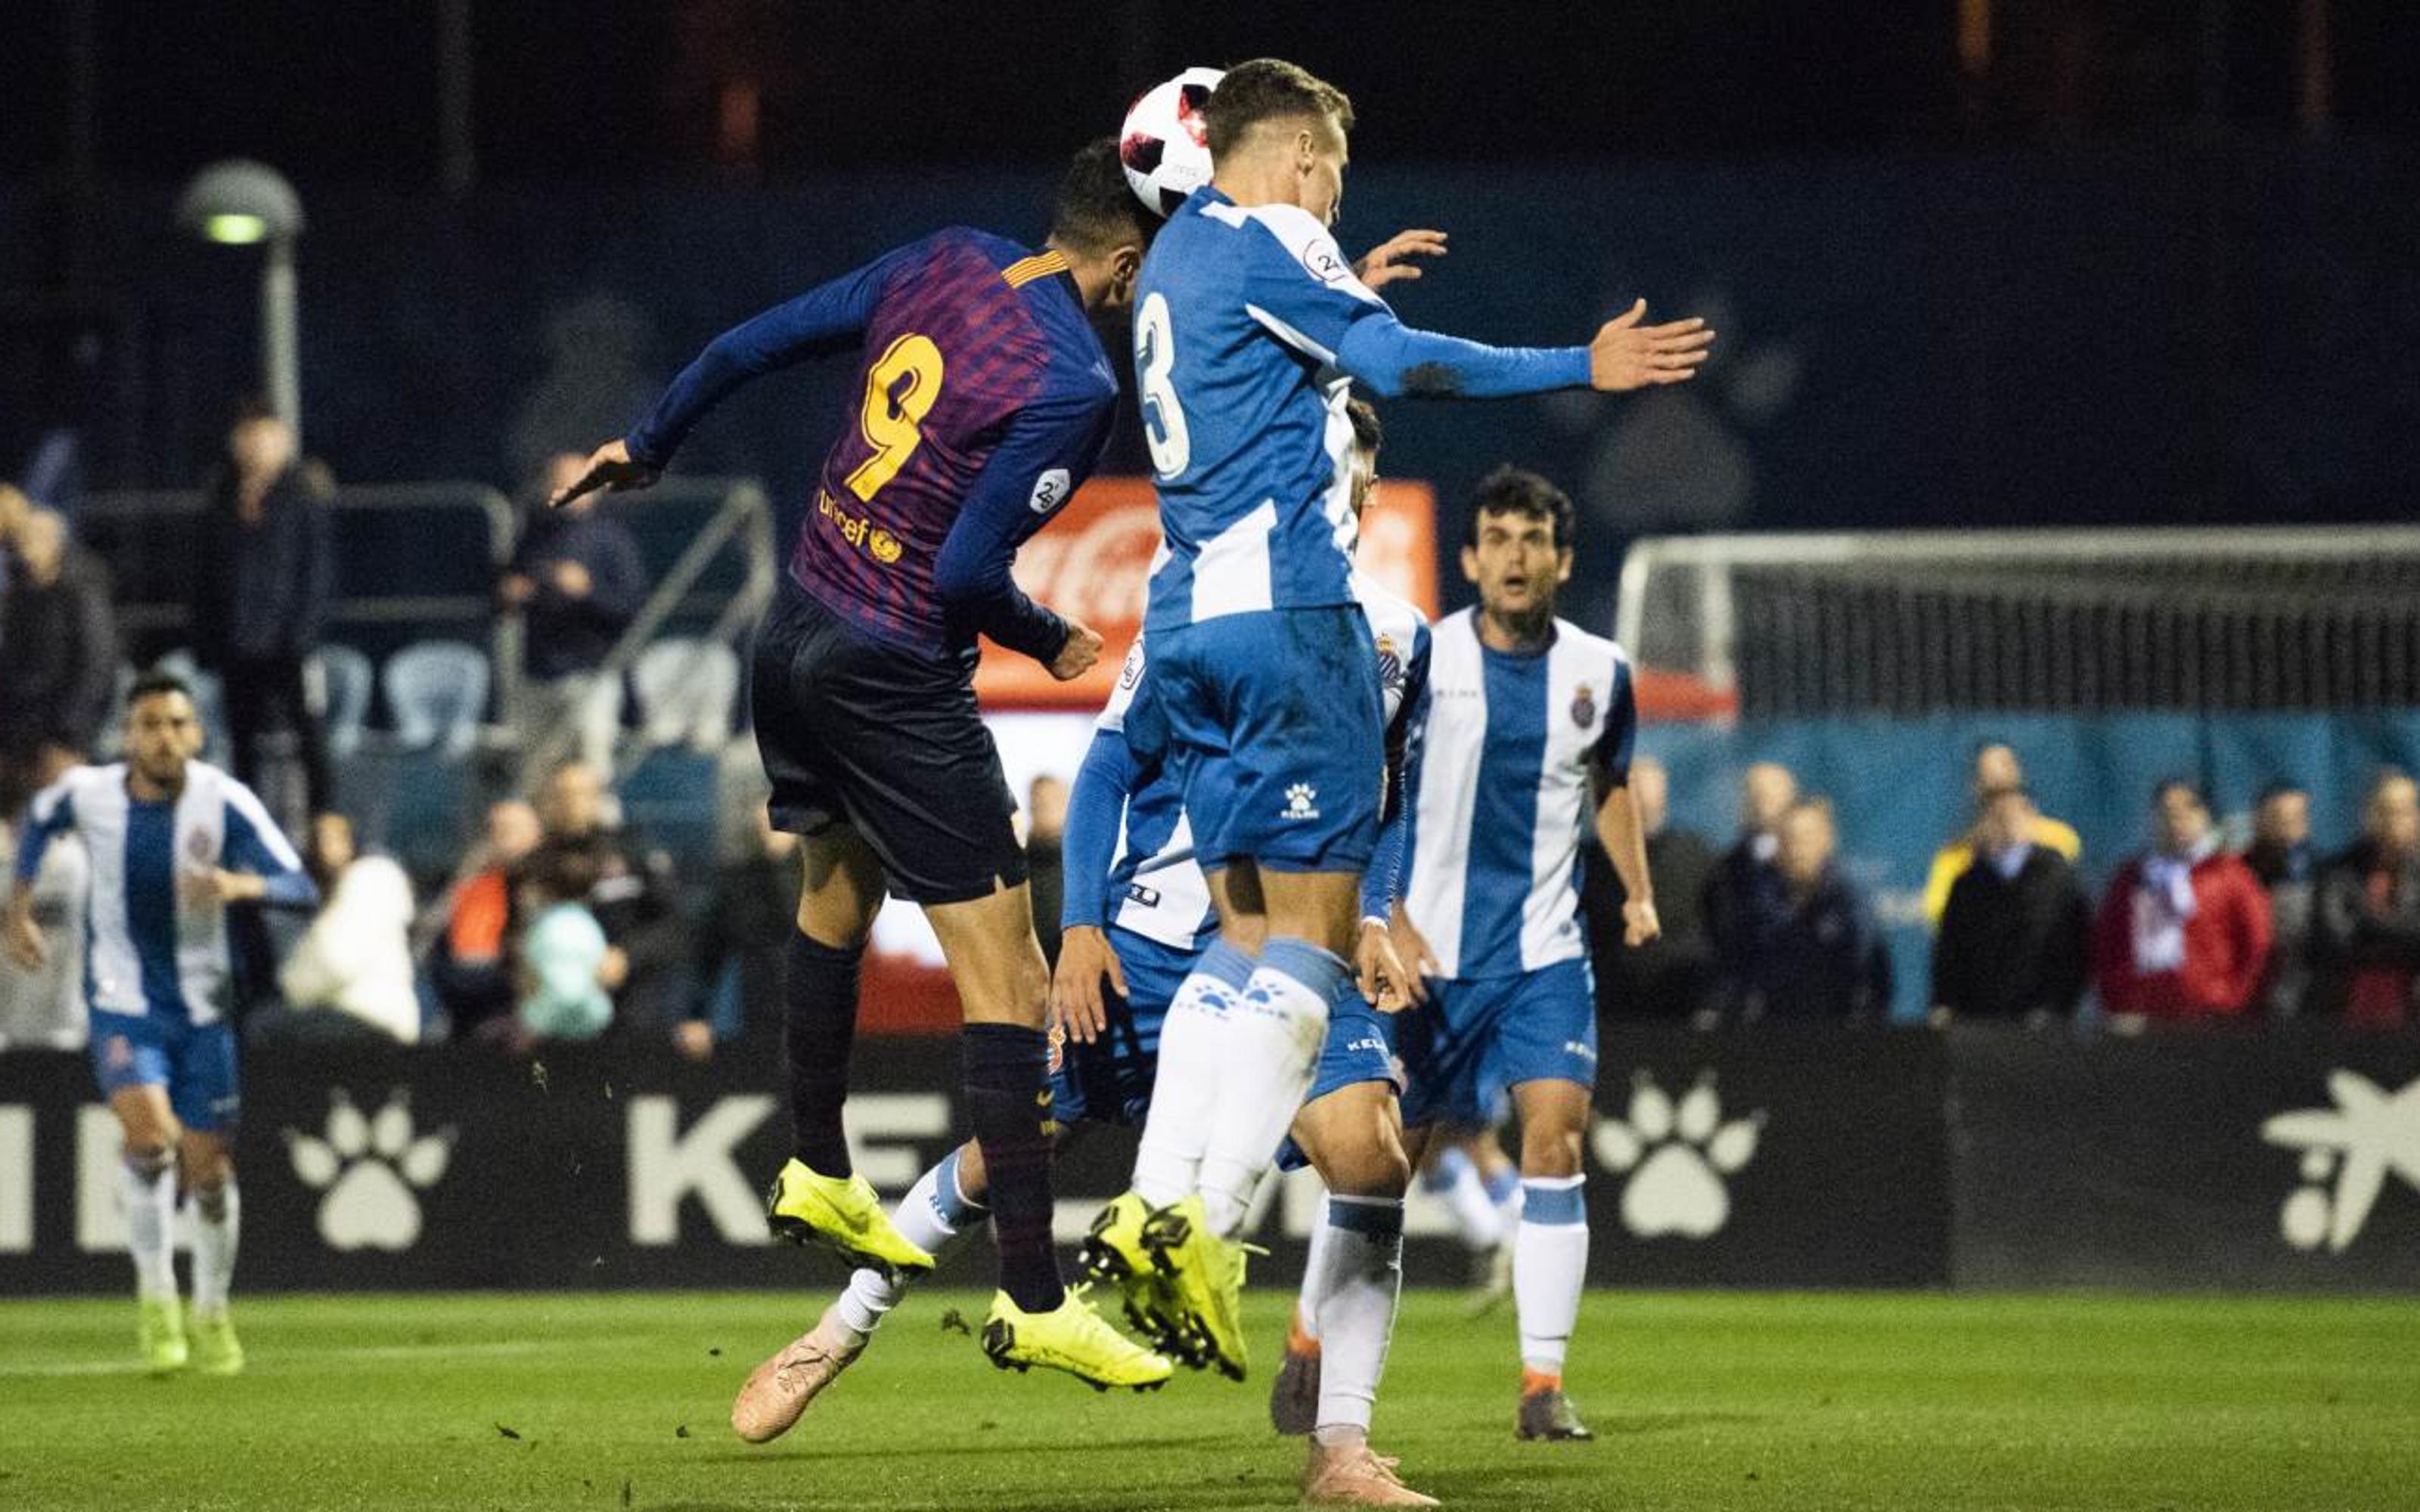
(1092, 563)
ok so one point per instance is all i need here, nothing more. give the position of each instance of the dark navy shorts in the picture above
(889, 742)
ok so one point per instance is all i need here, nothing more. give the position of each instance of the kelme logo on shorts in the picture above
(1302, 801)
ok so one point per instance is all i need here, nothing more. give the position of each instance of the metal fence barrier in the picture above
(2081, 621)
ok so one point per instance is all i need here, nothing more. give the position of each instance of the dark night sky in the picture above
(589, 90)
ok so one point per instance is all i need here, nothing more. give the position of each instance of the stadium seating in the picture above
(686, 688)
(439, 692)
(346, 681)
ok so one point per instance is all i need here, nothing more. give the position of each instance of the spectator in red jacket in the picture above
(2184, 930)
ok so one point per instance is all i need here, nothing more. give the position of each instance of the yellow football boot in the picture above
(842, 1214)
(1070, 1337)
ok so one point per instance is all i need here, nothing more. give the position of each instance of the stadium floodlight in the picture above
(243, 203)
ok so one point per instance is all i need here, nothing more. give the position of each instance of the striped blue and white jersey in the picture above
(1154, 887)
(1515, 748)
(1249, 328)
(149, 948)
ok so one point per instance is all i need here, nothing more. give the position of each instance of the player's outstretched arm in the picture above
(611, 468)
(1095, 806)
(825, 318)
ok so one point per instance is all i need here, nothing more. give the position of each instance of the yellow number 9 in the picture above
(891, 418)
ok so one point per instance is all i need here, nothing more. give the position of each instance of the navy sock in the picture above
(1008, 1099)
(819, 996)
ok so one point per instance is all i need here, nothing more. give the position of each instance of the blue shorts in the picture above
(1274, 724)
(1361, 1047)
(1109, 1081)
(196, 1062)
(1475, 1039)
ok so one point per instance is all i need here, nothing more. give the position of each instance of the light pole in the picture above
(239, 202)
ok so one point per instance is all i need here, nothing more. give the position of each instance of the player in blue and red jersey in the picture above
(986, 399)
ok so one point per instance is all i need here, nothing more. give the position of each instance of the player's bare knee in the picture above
(1550, 1151)
(148, 1160)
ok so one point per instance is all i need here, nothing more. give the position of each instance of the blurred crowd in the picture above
(2186, 927)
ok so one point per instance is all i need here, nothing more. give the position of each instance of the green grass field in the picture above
(1699, 1402)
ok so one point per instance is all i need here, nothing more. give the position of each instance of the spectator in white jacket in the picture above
(351, 975)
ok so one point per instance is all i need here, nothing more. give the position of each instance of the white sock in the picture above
(936, 1217)
(1549, 1267)
(1314, 1274)
(214, 1240)
(1268, 1057)
(1184, 1087)
(1504, 1190)
(149, 1190)
(1364, 1275)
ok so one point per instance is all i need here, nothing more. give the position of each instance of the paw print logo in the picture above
(2369, 1135)
(369, 1172)
(1675, 1160)
(1301, 801)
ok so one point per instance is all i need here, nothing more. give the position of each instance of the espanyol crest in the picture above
(1390, 664)
(1584, 706)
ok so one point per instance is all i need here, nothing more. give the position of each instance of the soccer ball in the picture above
(1162, 145)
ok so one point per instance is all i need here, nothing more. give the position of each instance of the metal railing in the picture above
(1914, 622)
(147, 538)
(741, 514)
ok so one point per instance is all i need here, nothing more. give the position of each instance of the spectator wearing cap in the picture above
(2184, 930)
(2012, 941)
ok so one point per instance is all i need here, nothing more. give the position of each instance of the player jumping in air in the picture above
(1526, 748)
(1137, 916)
(1248, 326)
(986, 399)
(172, 842)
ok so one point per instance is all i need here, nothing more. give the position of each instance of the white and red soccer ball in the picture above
(1163, 144)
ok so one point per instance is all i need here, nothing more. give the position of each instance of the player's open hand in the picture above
(1085, 959)
(25, 940)
(1639, 925)
(1385, 263)
(1627, 355)
(1385, 984)
(1076, 659)
(611, 468)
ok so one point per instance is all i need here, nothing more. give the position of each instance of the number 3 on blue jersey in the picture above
(1163, 421)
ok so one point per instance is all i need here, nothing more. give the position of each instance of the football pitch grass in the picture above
(1709, 1401)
